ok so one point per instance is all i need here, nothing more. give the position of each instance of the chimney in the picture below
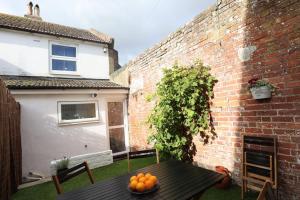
(36, 12)
(29, 8)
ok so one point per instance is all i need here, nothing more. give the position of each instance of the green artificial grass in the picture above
(46, 191)
(232, 193)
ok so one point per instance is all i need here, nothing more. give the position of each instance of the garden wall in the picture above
(240, 40)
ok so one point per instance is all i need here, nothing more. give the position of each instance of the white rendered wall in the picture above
(27, 54)
(43, 139)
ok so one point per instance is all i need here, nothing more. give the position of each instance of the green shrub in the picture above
(182, 110)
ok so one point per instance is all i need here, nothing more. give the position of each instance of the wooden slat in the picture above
(71, 175)
(142, 154)
(177, 181)
(72, 169)
(259, 158)
(135, 154)
(265, 178)
(10, 144)
(253, 180)
(253, 187)
(258, 166)
(119, 157)
(266, 141)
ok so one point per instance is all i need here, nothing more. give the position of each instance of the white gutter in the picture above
(68, 91)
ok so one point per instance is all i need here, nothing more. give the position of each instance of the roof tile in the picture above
(40, 82)
(42, 27)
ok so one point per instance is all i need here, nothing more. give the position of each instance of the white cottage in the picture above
(60, 77)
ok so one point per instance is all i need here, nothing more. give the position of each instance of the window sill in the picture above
(64, 73)
(78, 123)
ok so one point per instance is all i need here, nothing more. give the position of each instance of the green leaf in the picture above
(181, 109)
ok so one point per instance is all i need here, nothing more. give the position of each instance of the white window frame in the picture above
(62, 58)
(77, 121)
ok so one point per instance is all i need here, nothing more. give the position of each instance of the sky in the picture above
(136, 25)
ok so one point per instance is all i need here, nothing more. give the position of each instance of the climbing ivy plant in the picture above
(182, 110)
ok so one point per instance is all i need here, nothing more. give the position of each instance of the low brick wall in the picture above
(239, 39)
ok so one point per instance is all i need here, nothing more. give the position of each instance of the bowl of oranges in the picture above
(143, 183)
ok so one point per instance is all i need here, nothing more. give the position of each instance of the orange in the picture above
(142, 179)
(140, 187)
(153, 179)
(133, 184)
(149, 184)
(133, 178)
(148, 175)
(140, 175)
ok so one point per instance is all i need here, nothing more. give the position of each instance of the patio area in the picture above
(217, 102)
(46, 191)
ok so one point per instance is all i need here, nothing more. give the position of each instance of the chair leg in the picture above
(128, 162)
(243, 188)
(57, 184)
(89, 172)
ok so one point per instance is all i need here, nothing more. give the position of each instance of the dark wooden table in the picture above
(177, 181)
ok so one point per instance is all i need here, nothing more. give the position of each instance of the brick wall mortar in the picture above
(239, 40)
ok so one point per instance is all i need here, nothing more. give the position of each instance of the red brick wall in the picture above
(239, 39)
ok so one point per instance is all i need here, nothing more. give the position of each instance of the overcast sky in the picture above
(135, 24)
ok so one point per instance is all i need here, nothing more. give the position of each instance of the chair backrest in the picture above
(267, 192)
(142, 154)
(67, 174)
(259, 162)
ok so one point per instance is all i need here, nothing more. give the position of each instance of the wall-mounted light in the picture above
(104, 50)
(94, 95)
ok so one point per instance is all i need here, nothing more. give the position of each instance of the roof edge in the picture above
(64, 88)
(24, 29)
(52, 77)
(52, 34)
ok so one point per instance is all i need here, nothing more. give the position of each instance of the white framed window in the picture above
(73, 112)
(63, 59)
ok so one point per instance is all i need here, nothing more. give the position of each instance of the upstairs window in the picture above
(63, 59)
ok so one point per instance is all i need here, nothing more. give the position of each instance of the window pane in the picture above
(117, 140)
(59, 50)
(63, 65)
(78, 111)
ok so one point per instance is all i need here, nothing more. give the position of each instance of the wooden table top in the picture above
(177, 180)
